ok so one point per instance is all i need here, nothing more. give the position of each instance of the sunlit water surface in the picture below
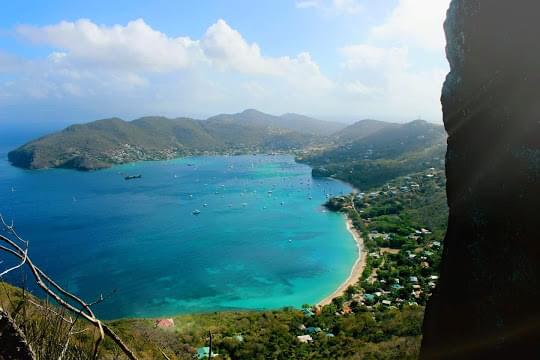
(261, 240)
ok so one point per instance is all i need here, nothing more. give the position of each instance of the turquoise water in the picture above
(139, 244)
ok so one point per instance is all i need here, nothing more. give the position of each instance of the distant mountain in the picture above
(293, 122)
(383, 152)
(102, 143)
(303, 123)
(362, 129)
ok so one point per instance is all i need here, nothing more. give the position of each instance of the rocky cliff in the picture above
(487, 303)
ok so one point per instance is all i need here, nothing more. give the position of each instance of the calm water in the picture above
(138, 242)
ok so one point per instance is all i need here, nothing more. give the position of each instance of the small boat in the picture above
(13, 189)
(131, 177)
(196, 212)
(205, 205)
(191, 196)
(244, 204)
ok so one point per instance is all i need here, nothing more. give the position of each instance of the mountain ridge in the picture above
(105, 142)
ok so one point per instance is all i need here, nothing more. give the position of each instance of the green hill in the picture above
(382, 152)
(361, 129)
(293, 122)
(102, 143)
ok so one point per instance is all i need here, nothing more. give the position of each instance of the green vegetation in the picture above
(381, 154)
(382, 334)
(102, 143)
(402, 218)
(402, 223)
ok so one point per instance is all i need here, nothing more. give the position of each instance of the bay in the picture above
(262, 240)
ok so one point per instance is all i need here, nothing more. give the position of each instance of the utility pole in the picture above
(210, 345)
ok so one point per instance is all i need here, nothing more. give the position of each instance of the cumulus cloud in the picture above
(134, 46)
(226, 48)
(133, 69)
(135, 61)
(415, 23)
(384, 80)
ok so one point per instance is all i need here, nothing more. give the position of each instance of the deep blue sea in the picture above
(259, 241)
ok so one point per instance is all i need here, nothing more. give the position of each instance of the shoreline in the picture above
(356, 271)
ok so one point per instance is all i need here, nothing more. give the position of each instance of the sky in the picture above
(65, 61)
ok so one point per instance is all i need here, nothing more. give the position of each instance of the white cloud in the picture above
(383, 80)
(226, 48)
(134, 46)
(133, 69)
(417, 23)
(135, 61)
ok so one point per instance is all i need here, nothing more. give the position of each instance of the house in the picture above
(164, 323)
(308, 313)
(413, 279)
(304, 339)
(369, 298)
(204, 352)
(434, 277)
(313, 330)
(387, 302)
(239, 338)
(416, 287)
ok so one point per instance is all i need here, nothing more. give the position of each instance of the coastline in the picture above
(356, 271)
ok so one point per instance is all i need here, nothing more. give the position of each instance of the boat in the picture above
(205, 205)
(131, 177)
(196, 212)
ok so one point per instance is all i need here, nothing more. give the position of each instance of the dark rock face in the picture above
(13, 342)
(487, 303)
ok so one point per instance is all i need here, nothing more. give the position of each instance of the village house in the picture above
(304, 338)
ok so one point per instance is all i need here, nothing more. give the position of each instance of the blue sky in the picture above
(67, 61)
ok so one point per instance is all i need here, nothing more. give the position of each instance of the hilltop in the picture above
(369, 153)
(106, 142)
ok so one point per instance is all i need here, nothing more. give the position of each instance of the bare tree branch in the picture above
(57, 292)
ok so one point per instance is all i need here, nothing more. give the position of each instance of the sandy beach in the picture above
(356, 271)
